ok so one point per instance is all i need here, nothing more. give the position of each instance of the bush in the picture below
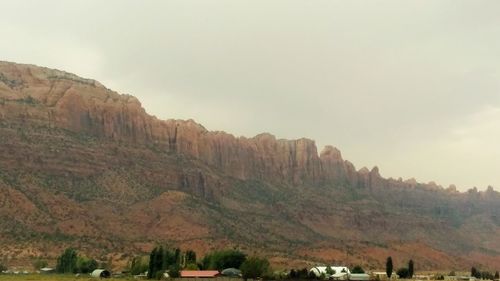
(403, 273)
(2, 267)
(312, 276)
(357, 269)
(191, 266)
(254, 267)
(303, 273)
(159, 275)
(486, 275)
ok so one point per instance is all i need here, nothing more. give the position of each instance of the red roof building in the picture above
(199, 273)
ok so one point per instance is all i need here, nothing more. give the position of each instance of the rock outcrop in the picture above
(59, 99)
(84, 165)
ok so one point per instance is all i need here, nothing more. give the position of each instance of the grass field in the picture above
(53, 277)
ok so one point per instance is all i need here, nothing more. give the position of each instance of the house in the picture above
(199, 273)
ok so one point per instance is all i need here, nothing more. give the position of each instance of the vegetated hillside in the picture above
(84, 166)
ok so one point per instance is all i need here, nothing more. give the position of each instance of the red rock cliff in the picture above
(56, 98)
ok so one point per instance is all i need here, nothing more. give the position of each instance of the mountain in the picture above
(84, 166)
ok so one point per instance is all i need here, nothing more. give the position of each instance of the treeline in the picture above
(172, 261)
(486, 275)
(402, 272)
(163, 260)
(408, 272)
(71, 262)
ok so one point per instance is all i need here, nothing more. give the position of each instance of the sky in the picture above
(412, 87)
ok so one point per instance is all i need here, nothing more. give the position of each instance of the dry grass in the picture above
(54, 277)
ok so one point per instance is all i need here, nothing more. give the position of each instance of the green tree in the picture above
(497, 275)
(174, 271)
(158, 261)
(220, 260)
(357, 269)
(475, 273)
(403, 273)
(152, 264)
(486, 275)
(162, 258)
(410, 269)
(303, 273)
(177, 256)
(329, 270)
(3, 267)
(139, 265)
(254, 267)
(39, 263)
(66, 263)
(293, 274)
(389, 267)
(190, 257)
(86, 265)
(168, 258)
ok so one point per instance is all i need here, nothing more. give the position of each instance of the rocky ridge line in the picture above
(60, 99)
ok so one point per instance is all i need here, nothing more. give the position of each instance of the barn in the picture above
(100, 273)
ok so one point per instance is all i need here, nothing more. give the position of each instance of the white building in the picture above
(339, 272)
(382, 275)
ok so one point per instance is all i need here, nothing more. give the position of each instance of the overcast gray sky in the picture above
(410, 86)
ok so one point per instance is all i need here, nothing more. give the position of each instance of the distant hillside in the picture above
(82, 165)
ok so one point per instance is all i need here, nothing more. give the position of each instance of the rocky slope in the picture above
(83, 165)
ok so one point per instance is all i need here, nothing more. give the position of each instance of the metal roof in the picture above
(199, 273)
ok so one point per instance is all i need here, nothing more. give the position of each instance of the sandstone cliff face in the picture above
(83, 164)
(60, 99)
